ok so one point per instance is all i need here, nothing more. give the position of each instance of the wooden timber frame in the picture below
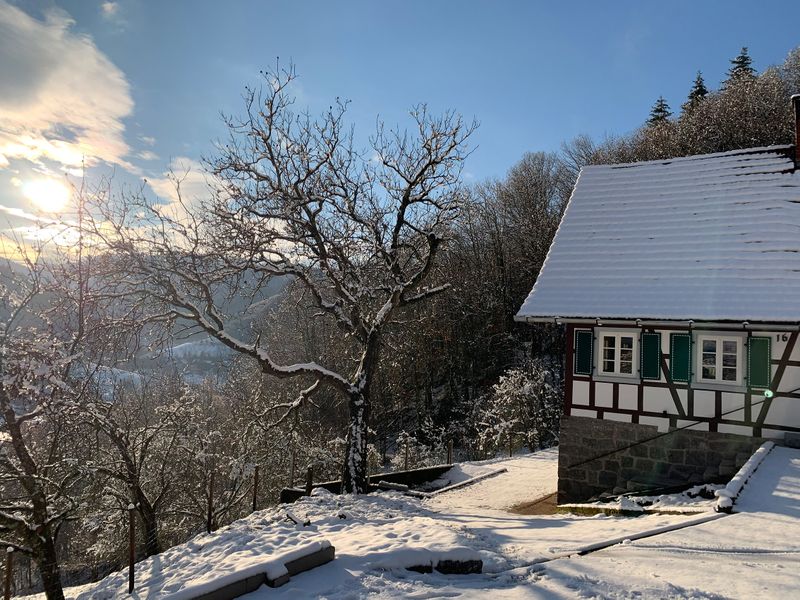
(688, 401)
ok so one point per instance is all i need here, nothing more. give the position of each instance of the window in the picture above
(617, 354)
(719, 359)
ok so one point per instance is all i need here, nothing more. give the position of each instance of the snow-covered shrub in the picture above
(525, 404)
(423, 450)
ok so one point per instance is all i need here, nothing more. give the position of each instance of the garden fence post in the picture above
(255, 489)
(309, 479)
(9, 570)
(131, 545)
(210, 508)
(449, 452)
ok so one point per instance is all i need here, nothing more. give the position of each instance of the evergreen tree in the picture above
(696, 94)
(741, 68)
(660, 112)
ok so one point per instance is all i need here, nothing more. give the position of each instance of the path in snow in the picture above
(754, 553)
(529, 477)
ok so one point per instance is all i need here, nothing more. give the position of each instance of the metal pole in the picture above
(131, 545)
(255, 488)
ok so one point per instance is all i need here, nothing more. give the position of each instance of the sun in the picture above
(48, 195)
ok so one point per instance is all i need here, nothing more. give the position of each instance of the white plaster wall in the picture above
(580, 412)
(658, 400)
(628, 397)
(704, 404)
(580, 392)
(604, 394)
(612, 416)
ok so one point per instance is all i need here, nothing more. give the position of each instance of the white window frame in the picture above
(719, 337)
(600, 334)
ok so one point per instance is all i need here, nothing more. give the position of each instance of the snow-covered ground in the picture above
(750, 554)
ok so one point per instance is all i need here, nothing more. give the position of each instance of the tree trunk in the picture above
(152, 546)
(48, 569)
(355, 476)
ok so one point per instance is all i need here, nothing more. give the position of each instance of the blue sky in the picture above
(138, 85)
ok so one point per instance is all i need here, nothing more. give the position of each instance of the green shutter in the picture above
(680, 352)
(584, 341)
(759, 357)
(651, 356)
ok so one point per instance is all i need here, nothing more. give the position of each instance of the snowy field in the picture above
(751, 554)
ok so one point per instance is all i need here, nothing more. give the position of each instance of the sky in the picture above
(134, 88)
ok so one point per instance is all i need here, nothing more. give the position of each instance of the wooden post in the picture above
(210, 508)
(309, 480)
(131, 545)
(291, 467)
(510, 445)
(449, 452)
(255, 489)
(9, 569)
(405, 462)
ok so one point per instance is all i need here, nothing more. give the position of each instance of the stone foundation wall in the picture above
(680, 458)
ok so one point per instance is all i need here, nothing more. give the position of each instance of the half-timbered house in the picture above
(678, 283)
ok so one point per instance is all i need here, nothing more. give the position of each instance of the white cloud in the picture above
(109, 9)
(147, 155)
(184, 174)
(150, 141)
(61, 98)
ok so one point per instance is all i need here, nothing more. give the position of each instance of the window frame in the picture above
(600, 335)
(741, 357)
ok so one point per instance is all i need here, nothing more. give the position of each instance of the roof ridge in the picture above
(692, 157)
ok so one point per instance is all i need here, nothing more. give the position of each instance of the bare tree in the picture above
(295, 198)
(37, 477)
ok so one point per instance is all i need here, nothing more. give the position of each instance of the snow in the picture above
(751, 553)
(727, 496)
(707, 238)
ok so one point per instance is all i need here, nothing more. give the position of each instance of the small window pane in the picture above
(729, 346)
(728, 374)
(608, 366)
(709, 373)
(626, 342)
(709, 346)
(709, 360)
(609, 342)
(626, 367)
(608, 354)
(728, 360)
(626, 355)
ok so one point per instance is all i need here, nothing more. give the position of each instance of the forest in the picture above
(328, 307)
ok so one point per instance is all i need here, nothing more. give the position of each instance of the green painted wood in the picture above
(680, 352)
(759, 355)
(651, 356)
(584, 342)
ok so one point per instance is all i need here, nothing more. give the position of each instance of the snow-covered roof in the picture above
(712, 237)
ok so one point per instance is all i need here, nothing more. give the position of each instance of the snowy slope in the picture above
(709, 237)
(750, 554)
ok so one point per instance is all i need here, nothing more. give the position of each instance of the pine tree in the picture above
(696, 94)
(660, 112)
(741, 68)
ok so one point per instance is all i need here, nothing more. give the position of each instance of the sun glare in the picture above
(47, 195)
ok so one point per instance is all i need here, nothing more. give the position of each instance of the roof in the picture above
(713, 237)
